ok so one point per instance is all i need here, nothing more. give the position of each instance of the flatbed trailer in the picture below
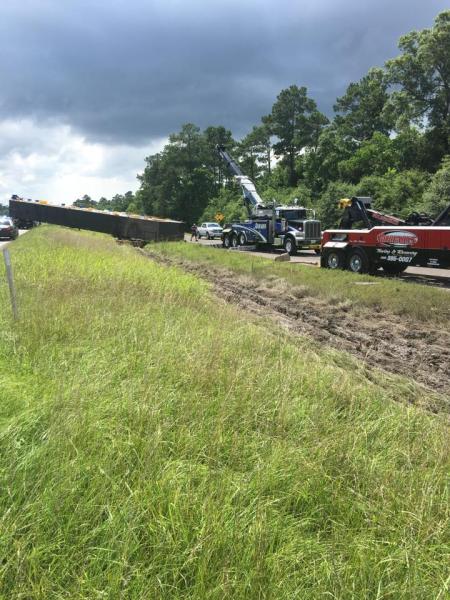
(123, 226)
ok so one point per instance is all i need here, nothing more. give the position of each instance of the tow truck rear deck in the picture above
(386, 241)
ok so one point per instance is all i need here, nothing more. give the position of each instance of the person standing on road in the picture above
(194, 232)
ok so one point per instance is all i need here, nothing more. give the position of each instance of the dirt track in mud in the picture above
(418, 351)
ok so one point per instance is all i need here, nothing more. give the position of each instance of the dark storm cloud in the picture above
(132, 71)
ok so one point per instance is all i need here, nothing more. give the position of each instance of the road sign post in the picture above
(9, 275)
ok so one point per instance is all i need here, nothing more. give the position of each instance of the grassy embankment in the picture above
(387, 294)
(155, 444)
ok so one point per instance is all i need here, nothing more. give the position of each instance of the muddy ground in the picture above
(418, 351)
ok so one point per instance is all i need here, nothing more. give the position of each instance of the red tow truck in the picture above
(380, 240)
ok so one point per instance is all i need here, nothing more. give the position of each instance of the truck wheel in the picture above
(208, 236)
(333, 260)
(290, 245)
(242, 239)
(234, 241)
(358, 261)
(394, 269)
(226, 241)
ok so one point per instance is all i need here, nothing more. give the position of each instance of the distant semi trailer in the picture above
(120, 225)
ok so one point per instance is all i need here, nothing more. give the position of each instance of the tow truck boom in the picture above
(385, 240)
(252, 199)
(359, 209)
(286, 227)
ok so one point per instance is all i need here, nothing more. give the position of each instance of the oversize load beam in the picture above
(119, 225)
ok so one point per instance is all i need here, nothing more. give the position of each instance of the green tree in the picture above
(189, 147)
(134, 203)
(328, 205)
(362, 107)
(261, 139)
(255, 152)
(422, 74)
(288, 195)
(437, 195)
(382, 153)
(214, 136)
(120, 202)
(104, 203)
(411, 148)
(395, 192)
(297, 123)
(156, 184)
(228, 201)
(177, 182)
(374, 156)
(85, 202)
(320, 165)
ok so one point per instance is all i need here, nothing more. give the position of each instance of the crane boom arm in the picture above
(251, 197)
(384, 219)
(359, 209)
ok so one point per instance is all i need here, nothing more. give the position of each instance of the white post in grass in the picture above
(9, 275)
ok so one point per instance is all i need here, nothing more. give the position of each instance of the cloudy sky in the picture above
(88, 88)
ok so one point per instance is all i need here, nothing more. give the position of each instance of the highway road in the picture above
(437, 277)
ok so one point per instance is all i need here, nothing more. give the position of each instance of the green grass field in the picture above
(157, 444)
(397, 297)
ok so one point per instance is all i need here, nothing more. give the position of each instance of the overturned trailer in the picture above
(123, 226)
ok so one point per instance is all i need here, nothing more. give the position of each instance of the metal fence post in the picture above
(9, 275)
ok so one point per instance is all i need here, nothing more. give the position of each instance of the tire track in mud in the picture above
(418, 351)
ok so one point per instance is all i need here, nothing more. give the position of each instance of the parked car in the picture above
(8, 229)
(209, 230)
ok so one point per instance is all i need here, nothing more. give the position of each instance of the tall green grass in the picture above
(156, 444)
(396, 297)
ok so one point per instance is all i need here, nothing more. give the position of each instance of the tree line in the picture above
(389, 138)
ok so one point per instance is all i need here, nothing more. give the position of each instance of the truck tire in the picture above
(226, 241)
(242, 239)
(289, 245)
(394, 269)
(333, 259)
(358, 261)
(234, 240)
